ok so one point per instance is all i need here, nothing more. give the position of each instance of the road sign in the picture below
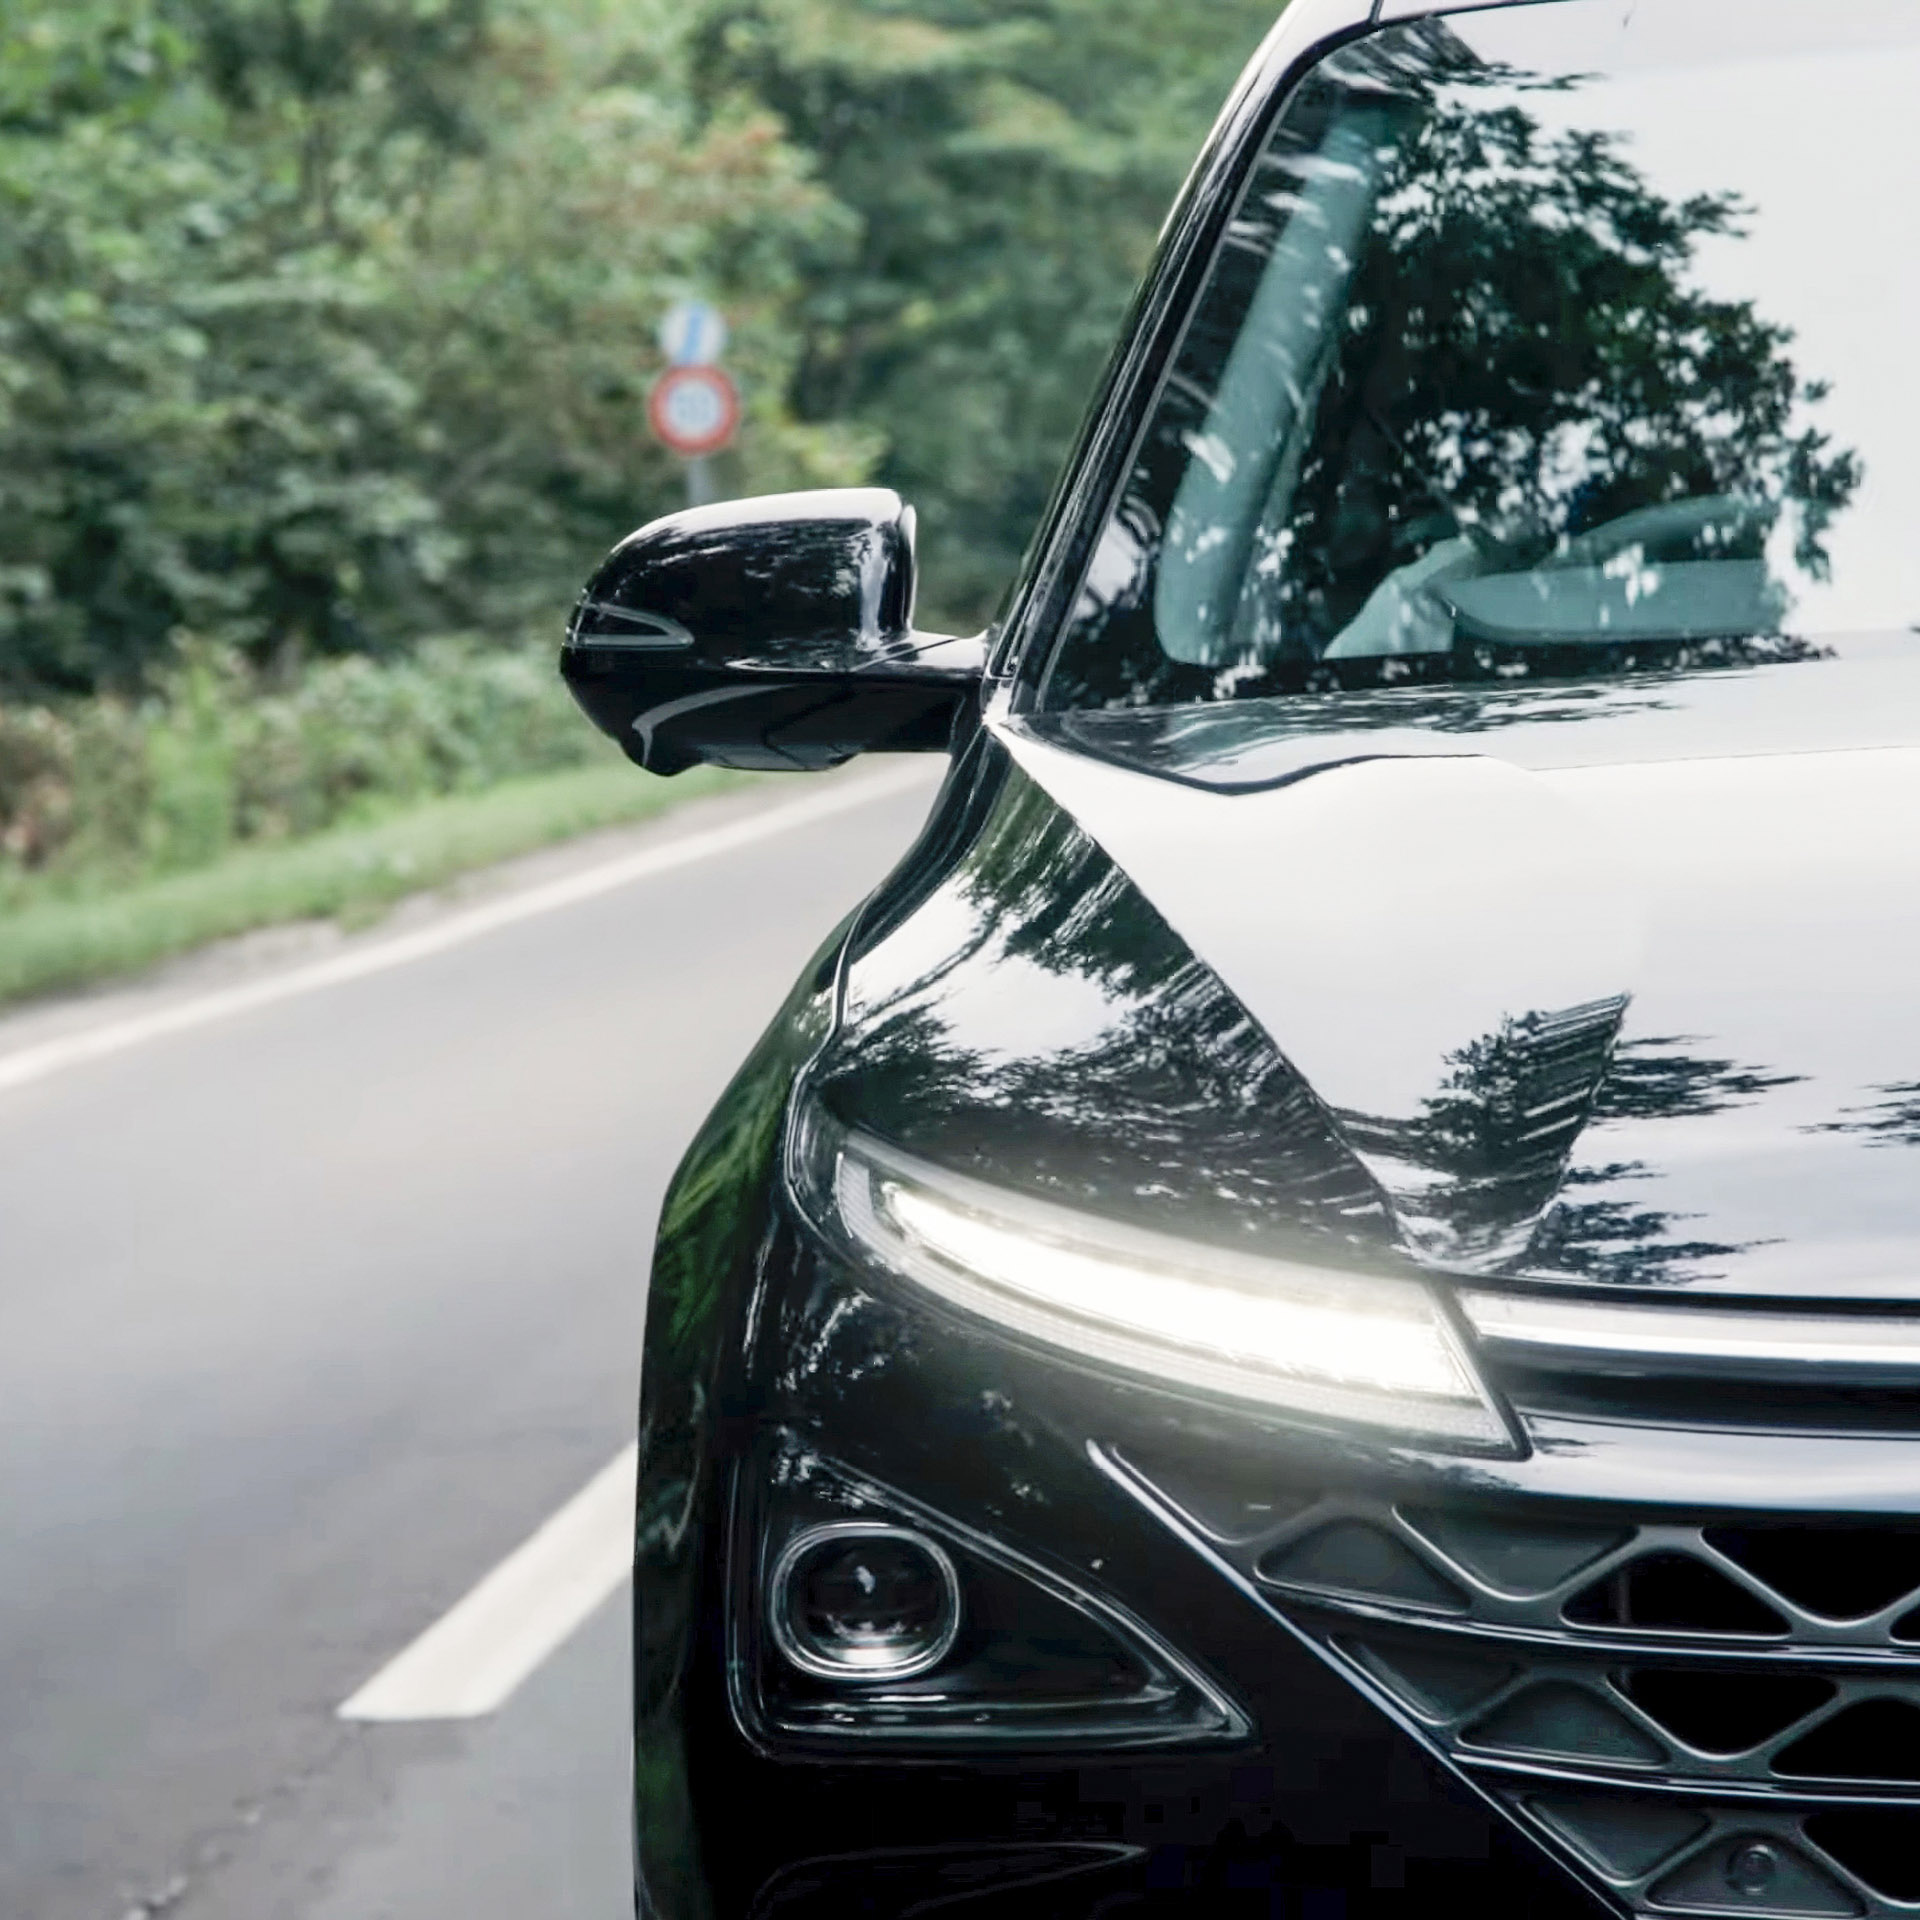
(694, 410)
(693, 334)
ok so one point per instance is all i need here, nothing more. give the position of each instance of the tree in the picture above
(201, 426)
(1007, 167)
(326, 324)
(536, 276)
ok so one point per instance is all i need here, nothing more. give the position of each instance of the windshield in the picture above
(1551, 344)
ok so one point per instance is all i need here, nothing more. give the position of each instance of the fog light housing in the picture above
(862, 1600)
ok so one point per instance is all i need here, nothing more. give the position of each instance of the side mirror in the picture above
(769, 633)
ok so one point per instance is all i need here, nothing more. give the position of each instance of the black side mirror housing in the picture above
(774, 633)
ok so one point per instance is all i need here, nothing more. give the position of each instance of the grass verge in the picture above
(348, 872)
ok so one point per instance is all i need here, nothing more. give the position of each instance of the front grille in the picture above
(1708, 1719)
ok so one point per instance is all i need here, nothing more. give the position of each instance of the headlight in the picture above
(1318, 1340)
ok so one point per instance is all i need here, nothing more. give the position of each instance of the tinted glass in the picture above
(1554, 344)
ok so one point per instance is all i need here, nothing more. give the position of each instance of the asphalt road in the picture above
(309, 1315)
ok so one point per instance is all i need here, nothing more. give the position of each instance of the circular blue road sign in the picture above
(693, 334)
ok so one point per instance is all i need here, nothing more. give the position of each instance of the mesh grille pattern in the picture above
(1708, 1719)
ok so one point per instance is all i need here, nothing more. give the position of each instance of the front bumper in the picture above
(1644, 1666)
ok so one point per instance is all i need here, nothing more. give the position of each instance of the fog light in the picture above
(858, 1600)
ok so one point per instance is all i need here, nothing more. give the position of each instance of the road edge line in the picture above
(48, 1057)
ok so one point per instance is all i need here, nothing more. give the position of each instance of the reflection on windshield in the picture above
(1462, 404)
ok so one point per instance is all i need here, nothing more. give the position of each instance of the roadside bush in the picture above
(99, 791)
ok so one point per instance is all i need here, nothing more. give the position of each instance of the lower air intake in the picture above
(1879, 1846)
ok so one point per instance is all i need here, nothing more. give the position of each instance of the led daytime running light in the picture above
(1316, 1340)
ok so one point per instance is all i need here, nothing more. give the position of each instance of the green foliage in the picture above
(51, 937)
(132, 829)
(101, 790)
(1008, 166)
(326, 324)
(326, 328)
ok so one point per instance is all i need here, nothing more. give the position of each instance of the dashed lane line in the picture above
(472, 1658)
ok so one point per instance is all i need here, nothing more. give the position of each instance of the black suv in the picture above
(1315, 1308)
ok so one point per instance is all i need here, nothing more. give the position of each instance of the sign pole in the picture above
(693, 406)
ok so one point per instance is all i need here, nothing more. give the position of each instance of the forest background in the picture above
(326, 328)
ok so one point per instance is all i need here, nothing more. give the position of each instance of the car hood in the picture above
(1615, 986)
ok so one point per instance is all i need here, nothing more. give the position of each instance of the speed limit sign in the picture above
(694, 410)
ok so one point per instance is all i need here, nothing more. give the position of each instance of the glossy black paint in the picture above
(771, 1369)
(1657, 1655)
(774, 633)
(1730, 839)
(779, 1373)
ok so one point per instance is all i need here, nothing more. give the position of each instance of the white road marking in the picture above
(472, 1658)
(96, 1043)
